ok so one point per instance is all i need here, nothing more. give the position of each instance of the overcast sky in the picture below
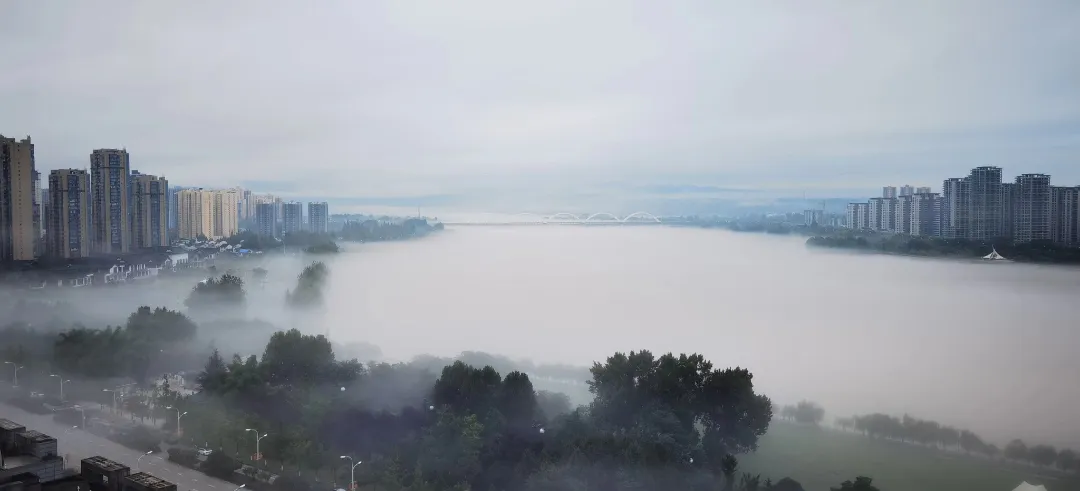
(443, 99)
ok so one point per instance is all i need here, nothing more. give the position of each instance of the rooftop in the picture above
(17, 461)
(9, 425)
(36, 436)
(104, 464)
(151, 482)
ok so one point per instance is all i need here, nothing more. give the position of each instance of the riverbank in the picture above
(1041, 252)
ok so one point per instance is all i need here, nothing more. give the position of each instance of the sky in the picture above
(509, 106)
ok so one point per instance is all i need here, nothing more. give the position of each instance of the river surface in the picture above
(994, 347)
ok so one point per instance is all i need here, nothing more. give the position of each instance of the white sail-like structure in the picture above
(994, 256)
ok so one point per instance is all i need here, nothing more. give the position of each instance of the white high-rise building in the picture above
(1031, 214)
(319, 217)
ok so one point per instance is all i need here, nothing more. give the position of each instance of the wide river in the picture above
(993, 347)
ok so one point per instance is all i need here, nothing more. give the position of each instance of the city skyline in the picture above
(477, 106)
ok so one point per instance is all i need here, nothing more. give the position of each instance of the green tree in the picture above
(808, 413)
(226, 291)
(1066, 460)
(1016, 450)
(861, 483)
(160, 325)
(1044, 455)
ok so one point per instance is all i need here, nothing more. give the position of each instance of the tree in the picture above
(1016, 450)
(212, 378)
(808, 413)
(309, 285)
(226, 291)
(160, 325)
(861, 484)
(1044, 455)
(1066, 460)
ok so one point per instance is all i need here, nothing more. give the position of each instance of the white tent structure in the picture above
(994, 256)
(1024, 486)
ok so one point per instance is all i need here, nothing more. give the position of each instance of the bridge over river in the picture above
(602, 218)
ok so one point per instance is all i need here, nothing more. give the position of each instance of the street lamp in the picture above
(61, 384)
(15, 379)
(352, 471)
(258, 455)
(140, 459)
(178, 416)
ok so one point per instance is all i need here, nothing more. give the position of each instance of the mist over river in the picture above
(992, 347)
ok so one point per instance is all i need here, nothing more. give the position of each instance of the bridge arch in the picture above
(641, 214)
(603, 213)
(565, 215)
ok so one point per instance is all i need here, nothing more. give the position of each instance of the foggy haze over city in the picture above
(540, 246)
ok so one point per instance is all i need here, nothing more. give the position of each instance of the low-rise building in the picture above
(142, 481)
(103, 474)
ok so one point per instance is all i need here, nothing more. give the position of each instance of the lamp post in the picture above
(258, 455)
(352, 471)
(178, 416)
(61, 384)
(140, 459)
(15, 378)
(83, 412)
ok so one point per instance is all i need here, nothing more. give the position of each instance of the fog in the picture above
(987, 347)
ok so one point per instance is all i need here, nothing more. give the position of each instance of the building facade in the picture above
(906, 190)
(922, 190)
(902, 208)
(1008, 209)
(858, 216)
(266, 219)
(1065, 215)
(226, 218)
(954, 208)
(926, 215)
(888, 192)
(110, 170)
(292, 219)
(68, 234)
(1031, 212)
(150, 227)
(18, 234)
(984, 203)
(195, 213)
(318, 217)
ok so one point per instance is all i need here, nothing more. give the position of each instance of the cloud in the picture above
(434, 98)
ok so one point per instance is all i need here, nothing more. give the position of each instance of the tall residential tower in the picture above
(17, 231)
(110, 170)
(68, 227)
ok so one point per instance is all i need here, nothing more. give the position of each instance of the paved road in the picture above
(76, 445)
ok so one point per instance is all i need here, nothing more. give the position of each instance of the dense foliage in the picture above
(309, 287)
(224, 292)
(655, 423)
(804, 412)
(1034, 251)
(931, 433)
(386, 229)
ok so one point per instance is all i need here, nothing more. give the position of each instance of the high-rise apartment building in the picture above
(902, 209)
(318, 217)
(984, 203)
(174, 211)
(1065, 215)
(888, 192)
(926, 215)
(226, 218)
(109, 173)
(907, 190)
(150, 227)
(1031, 217)
(954, 208)
(39, 217)
(858, 216)
(882, 214)
(1008, 209)
(922, 190)
(266, 219)
(68, 233)
(17, 227)
(195, 213)
(292, 217)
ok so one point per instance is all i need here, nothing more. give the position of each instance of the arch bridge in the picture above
(565, 218)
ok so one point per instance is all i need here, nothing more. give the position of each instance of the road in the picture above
(75, 445)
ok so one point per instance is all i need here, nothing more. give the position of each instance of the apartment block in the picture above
(109, 173)
(266, 219)
(292, 220)
(1032, 213)
(18, 234)
(1065, 215)
(984, 203)
(902, 209)
(888, 192)
(68, 234)
(926, 215)
(150, 224)
(954, 208)
(922, 190)
(858, 216)
(813, 218)
(195, 213)
(882, 214)
(225, 214)
(1008, 209)
(906, 190)
(318, 217)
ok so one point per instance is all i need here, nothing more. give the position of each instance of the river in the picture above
(989, 346)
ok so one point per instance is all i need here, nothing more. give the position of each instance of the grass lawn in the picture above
(819, 458)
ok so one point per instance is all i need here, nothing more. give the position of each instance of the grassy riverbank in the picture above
(819, 457)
